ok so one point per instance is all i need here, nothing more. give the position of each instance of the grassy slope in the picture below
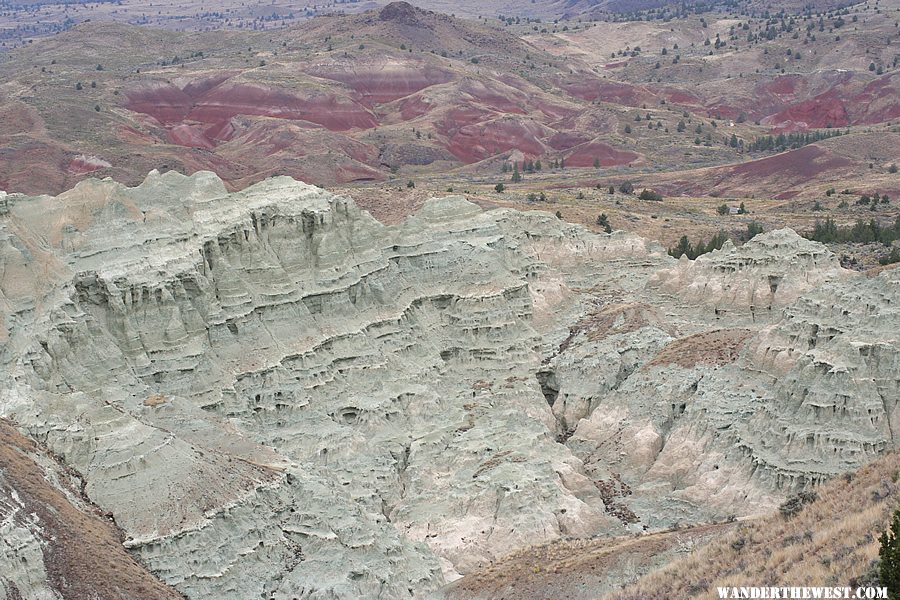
(833, 542)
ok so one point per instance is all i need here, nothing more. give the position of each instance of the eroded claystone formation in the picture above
(274, 395)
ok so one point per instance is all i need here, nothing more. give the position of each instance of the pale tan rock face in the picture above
(271, 391)
(770, 271)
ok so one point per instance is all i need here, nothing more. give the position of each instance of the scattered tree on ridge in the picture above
(684, 246)
(603, 221)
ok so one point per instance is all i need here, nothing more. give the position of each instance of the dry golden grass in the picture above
(616, 319)
(155, 400)
(576, 568)
(831, 542)
(718, 347)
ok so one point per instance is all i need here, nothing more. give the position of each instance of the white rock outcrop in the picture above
(271, 392)
(768, 272)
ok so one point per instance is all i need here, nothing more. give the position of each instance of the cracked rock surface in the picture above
(274, 395)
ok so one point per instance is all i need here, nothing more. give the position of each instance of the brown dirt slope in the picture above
(718, 347)
(578, 569)
(83, 555)
(832, 542)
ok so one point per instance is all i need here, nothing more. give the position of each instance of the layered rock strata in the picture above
(274, 394)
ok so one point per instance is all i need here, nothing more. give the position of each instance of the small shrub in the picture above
(871, 578)
(603, 221)
(795, 503)
(889, 259)
(650, 195)
(753, 230)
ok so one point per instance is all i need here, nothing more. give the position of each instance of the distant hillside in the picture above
(677, 101)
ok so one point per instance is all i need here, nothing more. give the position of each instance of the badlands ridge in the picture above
(270, 394)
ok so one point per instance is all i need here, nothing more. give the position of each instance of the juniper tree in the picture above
(890, 557)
